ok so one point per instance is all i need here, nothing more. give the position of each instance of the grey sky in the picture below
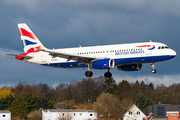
(70, 23)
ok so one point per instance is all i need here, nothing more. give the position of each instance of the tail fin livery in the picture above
(29, 40)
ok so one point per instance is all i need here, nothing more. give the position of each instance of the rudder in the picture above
(30, 42)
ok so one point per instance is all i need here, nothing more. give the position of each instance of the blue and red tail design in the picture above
(29, 40)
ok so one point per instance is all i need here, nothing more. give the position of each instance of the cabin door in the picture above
(148, 52)
(44, 57)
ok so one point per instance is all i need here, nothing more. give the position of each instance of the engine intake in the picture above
(130, 67)
(103, 64)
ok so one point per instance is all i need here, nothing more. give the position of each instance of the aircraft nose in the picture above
(173, 53)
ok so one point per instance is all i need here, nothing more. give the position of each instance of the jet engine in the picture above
(103, 64)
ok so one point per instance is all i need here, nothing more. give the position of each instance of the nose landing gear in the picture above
(153, 70)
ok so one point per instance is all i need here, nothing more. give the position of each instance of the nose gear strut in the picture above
(153, 70)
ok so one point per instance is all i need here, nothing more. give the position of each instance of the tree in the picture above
(149, 102)
(60, 105)
(6, 102)
(18, 88)
(61, 92)
(70, 104)
(4, 92)
(122, 87)
(45, 89)
(35, 115)
(100, 80)
(101, 104)
(31, 90)
(174, 91)
(19, 108)
(143, 85)
(86, 90)
(109, 86)
(161, 94)
(36, 102)
(150, 86)
(137, 82)
(140, 100)
(20, 85)
(109, 106)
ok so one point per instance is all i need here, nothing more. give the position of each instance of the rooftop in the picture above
(68, 110)
(5, 111)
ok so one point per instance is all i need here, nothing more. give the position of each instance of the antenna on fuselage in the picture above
(80, 46)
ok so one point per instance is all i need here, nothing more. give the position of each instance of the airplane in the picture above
(126, 57)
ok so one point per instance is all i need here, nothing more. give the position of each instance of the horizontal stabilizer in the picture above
(28, 57)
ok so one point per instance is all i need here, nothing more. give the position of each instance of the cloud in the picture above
(28, 5)
(160, 7)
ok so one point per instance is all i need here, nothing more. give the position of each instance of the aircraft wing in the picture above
(78, 58)
(28, 57)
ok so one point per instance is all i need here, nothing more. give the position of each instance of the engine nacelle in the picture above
(130, 67)
(103, 64)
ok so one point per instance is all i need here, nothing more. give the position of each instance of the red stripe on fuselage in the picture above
(24, 32)
(146, 46)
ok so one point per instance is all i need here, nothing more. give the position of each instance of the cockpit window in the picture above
(163, 47)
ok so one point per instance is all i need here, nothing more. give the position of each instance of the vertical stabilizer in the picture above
(30, 42)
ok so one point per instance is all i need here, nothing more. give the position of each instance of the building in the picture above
(164, 110)
(5, 115)
(134, 113)
(68, 114)
(172, 115)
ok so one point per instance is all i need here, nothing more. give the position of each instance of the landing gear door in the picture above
(43, 57)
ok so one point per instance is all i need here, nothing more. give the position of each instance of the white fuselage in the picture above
(121, 53)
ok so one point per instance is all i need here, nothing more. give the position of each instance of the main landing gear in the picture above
(153, 70)
(90, 74)
(107, 74)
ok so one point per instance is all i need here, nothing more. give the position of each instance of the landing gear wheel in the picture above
(107, 75)
(153, 71)
(88, 74)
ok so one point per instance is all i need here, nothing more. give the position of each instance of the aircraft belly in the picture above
(144, 59)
